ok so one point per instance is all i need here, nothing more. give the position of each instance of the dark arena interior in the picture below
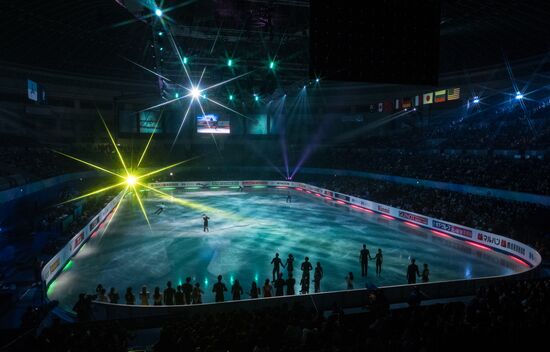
(274, 175)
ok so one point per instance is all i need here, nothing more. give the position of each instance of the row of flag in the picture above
(438, 96)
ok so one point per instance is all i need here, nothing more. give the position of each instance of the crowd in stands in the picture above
(526, 222)
(511, 314)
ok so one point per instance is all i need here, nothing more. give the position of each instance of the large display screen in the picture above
(212, 123)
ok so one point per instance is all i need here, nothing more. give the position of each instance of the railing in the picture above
(517, 251)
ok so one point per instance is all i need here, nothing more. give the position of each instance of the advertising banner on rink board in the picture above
(413, 217)
(494, 241)
(57, 263)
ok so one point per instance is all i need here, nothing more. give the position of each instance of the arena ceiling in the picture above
(97, 36)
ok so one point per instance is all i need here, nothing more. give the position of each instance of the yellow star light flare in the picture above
(131, 180)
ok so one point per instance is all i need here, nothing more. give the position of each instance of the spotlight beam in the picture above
(94, 192)
(116, 209)
(146, 69)
(89, 164)
(166, 102)
(228, 80)
(149, 141)
(182, 122)
(228, 108)
(141, 205)
(114, 143)
(177, 50)
(164, 168)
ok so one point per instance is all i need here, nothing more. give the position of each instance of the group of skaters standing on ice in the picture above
(412, 269)
(279, 282)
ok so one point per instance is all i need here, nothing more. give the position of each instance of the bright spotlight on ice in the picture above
(131, 180)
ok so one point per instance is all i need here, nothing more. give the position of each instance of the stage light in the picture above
(158, 12)
(476, 100)
(231, 97)
(177, 95)
(195, 92)
(317, 80)
(272, 65)
(161, 34)
(131, 180)
(519, 96)
(161, 48)
(229, 62)
(256, 97)
(185, 60)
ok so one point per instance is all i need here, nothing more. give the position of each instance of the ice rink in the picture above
(246, 229)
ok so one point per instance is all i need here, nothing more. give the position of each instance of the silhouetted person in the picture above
(180, 298)
(82, 308)
(160, 209)
(187, 288)
(379, 259)
(205, 223)
(425, 273)
(236, 290)
(304, 285)
(157, 297)
(306, 268)
(129, 296)
(290, 282)
(349, 281)
(169, 294)
(364, 257)
(268, 289)
(288, 197)
(290, 264)
(113, 296)
(317, 276)
(254, 290)
(412, 272)
(415, 298)
(277, 262)
(144, 296)
(197, 294)
(219, 288)
(279, 285)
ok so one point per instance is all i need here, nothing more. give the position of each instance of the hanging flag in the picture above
(407, 103)
(428, 98)
(381, 107)
(453, 94)
(417, 100)
(396, 104)
(440, 96)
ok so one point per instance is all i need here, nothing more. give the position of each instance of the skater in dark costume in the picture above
(236, 290)
(290, 282)
(254, 290)
(364, 257)
(219, 288)
(268, 289)
(412, 272)
(279, 285)
(187, 289)
(425, 273)
(306, 268)
(160, 209)
(378, 258)
(277, 262)
(290, 264)
(304, 282)
(288, 197)
(317, 276)
(205, 223)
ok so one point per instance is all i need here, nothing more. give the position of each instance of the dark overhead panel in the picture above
(391, 41)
